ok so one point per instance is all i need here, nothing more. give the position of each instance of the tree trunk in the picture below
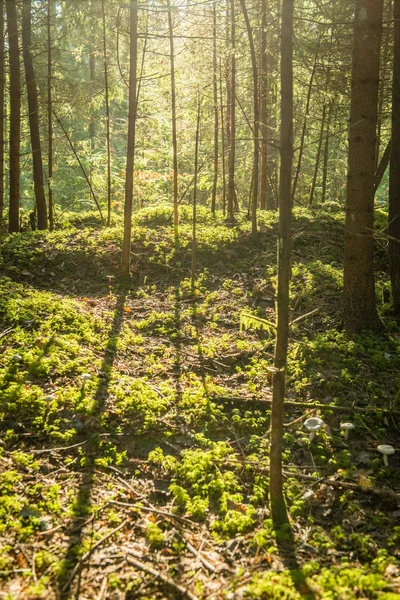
(394, 173)
(2, 91)
(196, 169)
(256, 111)
(130, 154)
(223, 143)
(15, 116)
(359, 286)
(304, 130)
(383, 165)
(33, 115)
(50, 117)
(216, 124)
(174, 135)
(232, 114)
(278, 507)
(263, 107)
(326, 152)
(318, 156)
(107, 114)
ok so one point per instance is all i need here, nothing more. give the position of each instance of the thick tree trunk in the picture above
(15, 116)
(263, 107)
(174, 134)
(130, 154)
(33, 116)
(216, 124)
(2, 91)
(50, 117)
(232, 115)
(108, 134)
(256, 111)
(394, 174)
(278, 507)
(359, 287)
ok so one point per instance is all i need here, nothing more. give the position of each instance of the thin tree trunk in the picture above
(232, 128)
(130, 154)
(33, 115)
(223, 143)
(326, 152)
(383, 165)
(382, 86)
(2, 92)
(256, 119)
(305, 122)
(394, 174)
(65, 132)
(15, 116)
(173, 110)
(103, 10)
(359, 286)
(228, 94)
(278, 507)
(216, 124)
(50, 117)
(196, 168)
(263, 107)
(92, 75)
(318, 156)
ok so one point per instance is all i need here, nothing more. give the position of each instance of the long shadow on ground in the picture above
(83, 500)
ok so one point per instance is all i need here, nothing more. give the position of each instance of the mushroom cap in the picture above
(313, 424)
(345, 426)
(386, 449)
(17, 358)
(86, 377)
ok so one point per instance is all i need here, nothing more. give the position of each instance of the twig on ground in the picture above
(184, 593)
(155, 511)
(87, 554)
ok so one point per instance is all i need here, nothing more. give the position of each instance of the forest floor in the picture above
(150, 478)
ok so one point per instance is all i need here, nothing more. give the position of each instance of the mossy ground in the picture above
(151, 448)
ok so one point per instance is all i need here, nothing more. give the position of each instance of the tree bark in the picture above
(278, 507)
(359, 287)
(394, 173)
(326, 152)
(173, 110)
(15, 116)
(130, 155)
(223, 143)
(196, 169)
(318, 156)
(232, 115)
(108, 134)
(263, 107)
(50, 117)
(33, 106)
(216, 123)
(304, 130)
(256, 111)
(2, 93)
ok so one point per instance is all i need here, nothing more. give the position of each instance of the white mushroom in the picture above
(347, 427)
(386, 451)
(313, 424)
(17, 358)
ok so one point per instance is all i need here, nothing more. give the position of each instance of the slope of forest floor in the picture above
(150, 478)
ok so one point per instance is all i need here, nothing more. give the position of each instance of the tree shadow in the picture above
(287, 551)
(177, 342)
(83, 501)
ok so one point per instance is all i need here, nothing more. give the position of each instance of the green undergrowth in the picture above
(169, 405)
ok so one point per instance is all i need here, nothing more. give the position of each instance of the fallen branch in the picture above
(334, 407)
(155, 511)
(87, 554)
(6, 332)
(184, 593)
